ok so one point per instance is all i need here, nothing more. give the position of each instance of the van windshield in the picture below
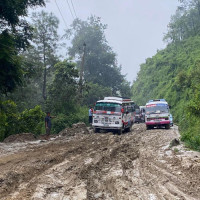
(157, 108)
(137, 111)
(104, 106)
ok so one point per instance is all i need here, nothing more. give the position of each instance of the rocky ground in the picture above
(79, 164)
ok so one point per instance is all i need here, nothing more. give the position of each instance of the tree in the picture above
(30, 92)
(15, 33)
(185, 23)
(94, 92)
(63, 90)
(45, 40)
(10, 67)
(100, 66)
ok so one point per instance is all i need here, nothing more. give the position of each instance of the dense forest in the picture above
(35, 77)
(174, 72)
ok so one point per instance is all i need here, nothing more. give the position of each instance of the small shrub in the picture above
(8, 118)
(32, 120)
(62, 121)
(59, 123)
(176, 150)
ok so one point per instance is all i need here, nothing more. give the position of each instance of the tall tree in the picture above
(185, 23)
(15, 33)
(100, 66)
(45, 40)
(63, 89)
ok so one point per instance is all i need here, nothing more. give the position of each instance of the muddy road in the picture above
(133, 166)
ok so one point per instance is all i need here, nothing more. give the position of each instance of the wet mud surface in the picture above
(133, 166)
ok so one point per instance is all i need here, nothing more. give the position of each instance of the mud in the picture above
(137, 165)
(22, 137)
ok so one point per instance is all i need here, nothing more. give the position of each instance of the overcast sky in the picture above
(135, 27)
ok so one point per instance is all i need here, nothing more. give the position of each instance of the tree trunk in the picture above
(45, 74)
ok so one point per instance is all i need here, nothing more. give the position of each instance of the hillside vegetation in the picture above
(35, 78)
(174, 73)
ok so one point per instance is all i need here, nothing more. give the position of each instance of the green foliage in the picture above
(15, 33)
(185, 23)
(12, 10)
(32, 120)
(10, 64)
(176, 150)
(35, 60)
(63, 121)
(12, 20)
(13, 122)
(45, 37)
(46, 41)
(173, 74)
(95, 92)
(36, 77)
(81, 115)
(9, 119)
(2, 125)
(63, 90)
(100, 66)
(191, 132)
(59, 123)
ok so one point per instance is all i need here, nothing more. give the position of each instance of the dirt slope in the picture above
(137, 165)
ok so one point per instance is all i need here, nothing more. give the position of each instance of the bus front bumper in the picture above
(157, 122)
(108, 126)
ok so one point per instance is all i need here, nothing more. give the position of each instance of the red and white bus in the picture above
(113, 113)
(157, 114)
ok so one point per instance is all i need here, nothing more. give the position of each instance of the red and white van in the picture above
(113, 113)
(157, 114)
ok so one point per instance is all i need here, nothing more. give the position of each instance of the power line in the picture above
(70, 9)
(61, 14)
(73, 8)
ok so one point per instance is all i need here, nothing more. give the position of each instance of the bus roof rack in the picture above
(121, 99)
(153, 100)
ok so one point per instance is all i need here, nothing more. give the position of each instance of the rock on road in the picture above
(133, 166)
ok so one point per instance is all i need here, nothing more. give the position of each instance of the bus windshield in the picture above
(157, 108)
(104, 106)
(137, 111)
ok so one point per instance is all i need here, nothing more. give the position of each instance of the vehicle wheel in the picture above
(128, 129)
(96, 130)
(148, 127)
(119, 131)
(167, 126)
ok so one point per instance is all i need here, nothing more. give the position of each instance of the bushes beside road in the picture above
(32, 120)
